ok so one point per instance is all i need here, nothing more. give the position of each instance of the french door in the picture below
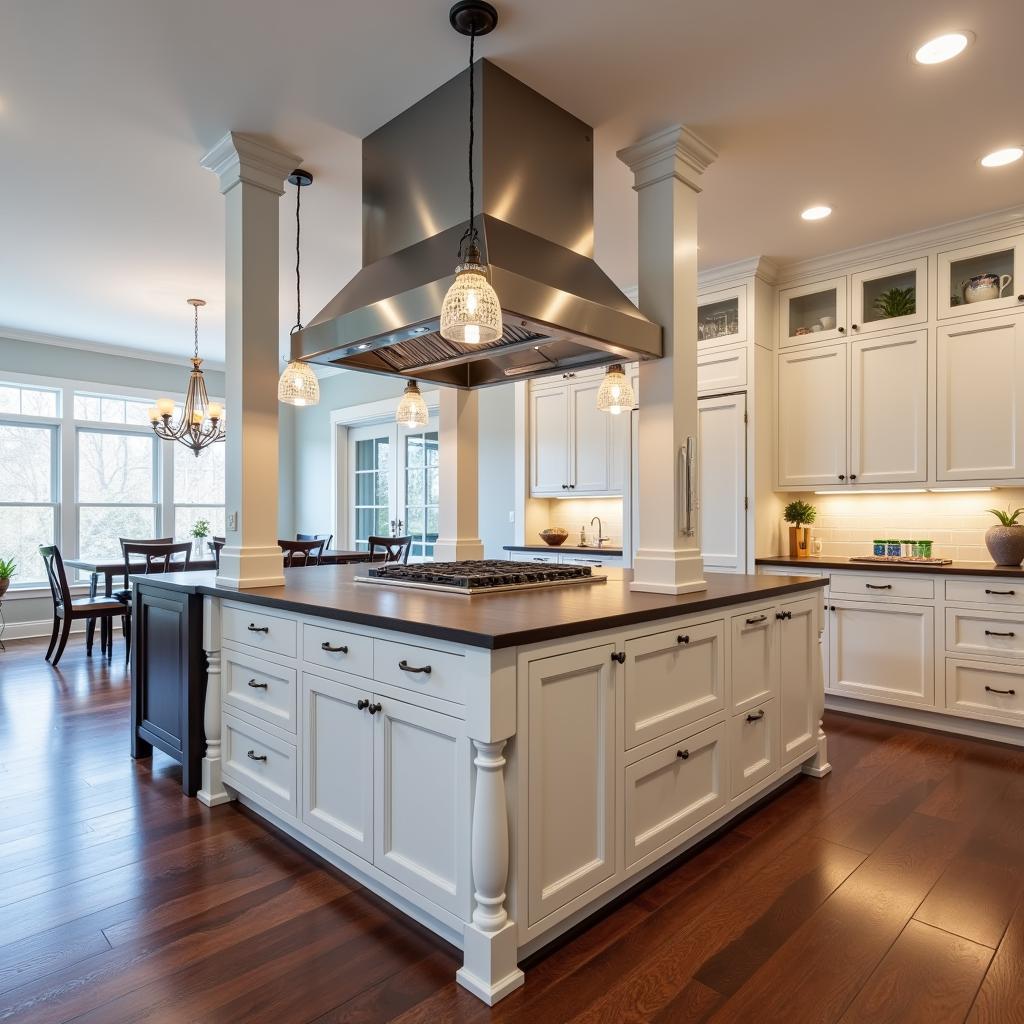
(393, 485)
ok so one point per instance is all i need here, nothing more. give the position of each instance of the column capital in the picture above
(238, 157)
(674, 152)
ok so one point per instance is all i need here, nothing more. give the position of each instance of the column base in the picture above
(489, 968)
(460, 550)
(818, 766)
(213, 792)
(668, 572)
(250, 568)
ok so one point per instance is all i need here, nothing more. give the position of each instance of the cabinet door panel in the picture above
(722, 371)
(591, 441)
(870, 289)
(421, 802)
(571, 776)
(755, 657)
(889, 409)
(337, 756)
(722, 436)
(883, 651)
(980, 404)
(549, 440)
(802, 309)
(799, 677)
(754, 746)
(811, 417)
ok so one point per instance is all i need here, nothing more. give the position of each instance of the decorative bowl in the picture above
(553, 535)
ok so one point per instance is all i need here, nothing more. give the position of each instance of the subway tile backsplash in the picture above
(956, 522)
(572, 513)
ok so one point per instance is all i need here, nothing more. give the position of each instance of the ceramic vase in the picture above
(1005, 544)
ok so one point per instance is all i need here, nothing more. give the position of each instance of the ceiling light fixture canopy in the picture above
(412, 409)
(616, 393)
(1002, 157)
(298, 384)
(201, 422)
(471, 313)
(943, 48)
(816, 212)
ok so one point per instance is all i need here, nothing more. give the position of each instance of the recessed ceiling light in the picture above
(816, 212)
(1002, 157)
(943, 48)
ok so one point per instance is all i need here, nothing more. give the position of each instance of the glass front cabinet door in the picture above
(722, 317)
(813, 312)
(889, 298)
(980, 279)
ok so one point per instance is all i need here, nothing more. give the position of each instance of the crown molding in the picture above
(103, 348)
(761, 267)
(674, 152)
(242, 158)
(900, 246)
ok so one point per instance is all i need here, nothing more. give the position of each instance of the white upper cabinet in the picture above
(722, 317)
(549, 437)
(889, 409)
(811, 417)
(980, 405)
(722, 437)
(889, 298)
(981, 278)
(812, 312)
(590, 448)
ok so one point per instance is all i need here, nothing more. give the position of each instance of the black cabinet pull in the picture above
(757, 621)
(257, 686)
(683, 755)
(406, 667)
(992, 632)
(253, 628)
(683, 639)
(992, 689)
(253, 756)
(619, 656)
(362, 704)
(1001, 593)
(842, 476)
(565, 487)
(853, 476)
(782, 616)
(374, 708)
(340, 649)
(878, 586)
(757, 717)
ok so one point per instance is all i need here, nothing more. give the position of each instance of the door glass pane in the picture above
(26, 463)
(811, 313)
(981, 279)
(890, 296)
(115, 468)
(421, 492)
(370, 489)
(23, 528)
(100, 528)
(718, 319)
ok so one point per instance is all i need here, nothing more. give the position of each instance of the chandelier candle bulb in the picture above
(165, 406)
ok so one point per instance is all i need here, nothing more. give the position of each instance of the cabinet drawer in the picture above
(986, 633)
(879, 586)
(668, 792)
(250, 625)
(993, 591)
(755, 675)
(985, 691)
(260, 687)
(597, 561)
(753, 746)
(397, 664)
(337, 649)
(673, 679)
(259, 765)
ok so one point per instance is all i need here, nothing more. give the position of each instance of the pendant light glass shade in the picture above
(412, 409)
(616, 393)
(298, 384)
(471, 313)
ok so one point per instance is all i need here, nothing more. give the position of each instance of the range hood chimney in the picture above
(534, 169)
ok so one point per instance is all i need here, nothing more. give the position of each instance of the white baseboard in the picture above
(41, 627)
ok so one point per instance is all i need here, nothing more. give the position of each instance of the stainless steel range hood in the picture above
(534, 172)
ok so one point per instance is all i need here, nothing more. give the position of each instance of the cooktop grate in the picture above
(485, 576)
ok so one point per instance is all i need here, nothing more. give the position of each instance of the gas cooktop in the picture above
(488, 576)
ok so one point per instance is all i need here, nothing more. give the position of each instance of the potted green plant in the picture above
(896, 302)
(7, 570)
(200, 531)
(1005, 540)
(799, 515)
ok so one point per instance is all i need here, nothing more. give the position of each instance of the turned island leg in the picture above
(818, 766)
(213, 791)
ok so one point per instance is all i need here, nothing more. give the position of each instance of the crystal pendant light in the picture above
(298, 384)
(201, 422)
(616, 393)
(471, 313)
(412, 409)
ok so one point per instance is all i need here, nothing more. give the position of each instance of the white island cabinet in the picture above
(500, 794)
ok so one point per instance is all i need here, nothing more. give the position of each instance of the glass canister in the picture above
(924, 548)
(893, 548)
(907, 547)
(878, 548)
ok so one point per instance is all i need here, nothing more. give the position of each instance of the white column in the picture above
(819, 765)
(213, 791)
(458, 434)
(252, 178)
(666, 167)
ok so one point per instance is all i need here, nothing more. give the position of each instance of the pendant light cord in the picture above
(298, 276)
(470, 235)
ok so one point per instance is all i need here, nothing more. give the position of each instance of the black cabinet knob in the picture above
(853, 476)
(619, 656)
(1020, 298)
(683, 755)
(842, 476)
(685, 639)
(374, 708)
(842, 330)
(362, 704)
(854, 326)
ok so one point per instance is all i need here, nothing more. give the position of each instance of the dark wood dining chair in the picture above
(325, 537)
(217, 543)
(67, 609)
(394, 549)
(302, 552)
(155, 556)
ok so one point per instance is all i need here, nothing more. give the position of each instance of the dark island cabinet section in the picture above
(168, 678)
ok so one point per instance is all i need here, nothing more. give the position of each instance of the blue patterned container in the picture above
(878, 547)
(894, 549)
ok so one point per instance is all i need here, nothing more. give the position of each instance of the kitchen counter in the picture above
(491, 621)
(566, 549)
(954, 569)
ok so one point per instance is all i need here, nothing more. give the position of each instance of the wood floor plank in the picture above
(927, 976)
(1001, 997)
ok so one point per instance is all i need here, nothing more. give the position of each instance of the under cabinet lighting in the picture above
(816, 212)
(958, 490)
(876, 490)
(943, 48)
(1002, 157)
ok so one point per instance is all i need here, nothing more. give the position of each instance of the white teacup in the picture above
(827, 323)
(815, 328)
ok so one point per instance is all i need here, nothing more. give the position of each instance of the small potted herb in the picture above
(799, 515)
(1005, 540)
(200, 531)
(7, 570)
(896, 302)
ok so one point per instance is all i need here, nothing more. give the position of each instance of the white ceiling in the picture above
(106, 107)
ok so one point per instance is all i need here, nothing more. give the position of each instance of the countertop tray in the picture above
(899, 560)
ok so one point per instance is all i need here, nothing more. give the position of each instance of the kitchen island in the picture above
(497, 766)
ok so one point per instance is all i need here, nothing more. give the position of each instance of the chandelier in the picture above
(201, 422)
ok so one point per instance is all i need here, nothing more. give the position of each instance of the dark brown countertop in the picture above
(955, 569)
(484, 620)
(565, 549)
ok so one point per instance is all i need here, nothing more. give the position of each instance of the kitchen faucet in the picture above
(600, 539)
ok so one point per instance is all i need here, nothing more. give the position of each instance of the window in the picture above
(16, 400)
(421, 492)
(28, 502)
(117, 490)
(371, 484)
(198, 490)
(111, 409)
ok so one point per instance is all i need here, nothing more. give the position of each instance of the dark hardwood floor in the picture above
(893, 891)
